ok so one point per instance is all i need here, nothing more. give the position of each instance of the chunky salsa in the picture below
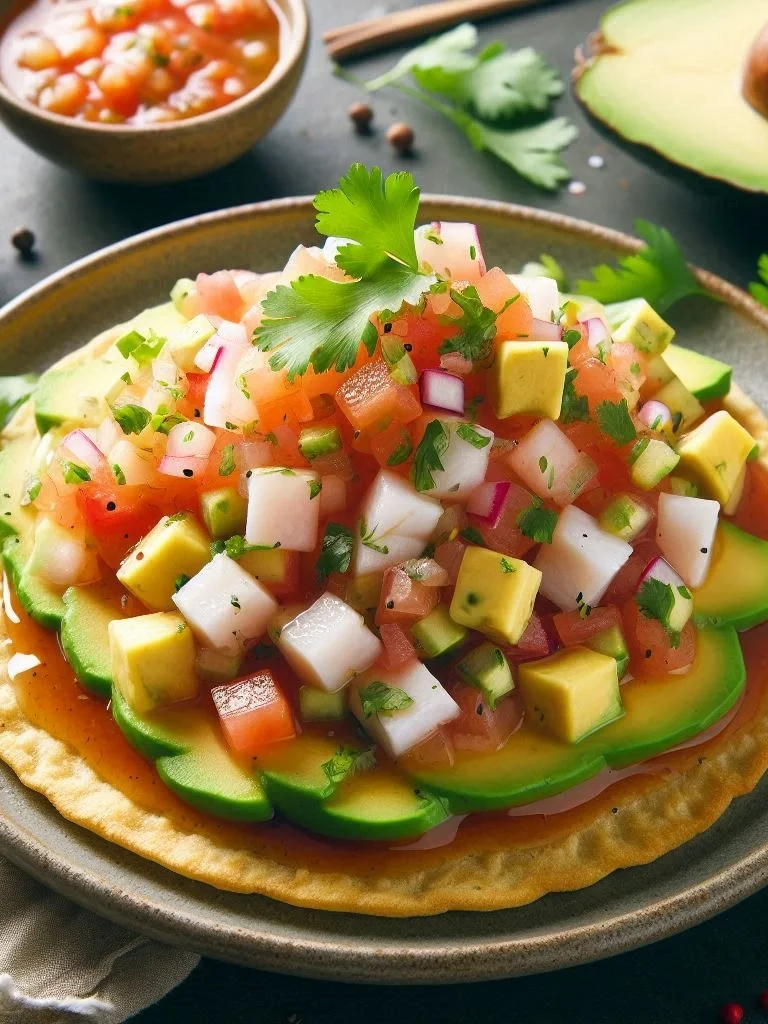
(391, 535)
(139, 61)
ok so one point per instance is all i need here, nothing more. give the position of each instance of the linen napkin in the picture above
(60, 964)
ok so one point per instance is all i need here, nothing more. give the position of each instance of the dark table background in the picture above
(683, 979)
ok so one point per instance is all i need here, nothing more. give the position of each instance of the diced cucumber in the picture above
(487, 669)
(183, 287)
(316, 705)
(224, 512)
(651, 460)
(363, 592)
(625, 517)
(678, 485)
(438, 633)
(611, 642)
(317, 441)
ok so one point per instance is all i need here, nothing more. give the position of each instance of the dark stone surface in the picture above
(683, 979)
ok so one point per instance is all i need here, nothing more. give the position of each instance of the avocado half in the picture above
(672, 76)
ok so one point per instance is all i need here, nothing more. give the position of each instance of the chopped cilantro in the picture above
(163, 421)
(637, 450)
(656, 601)
(477, 326)
(142, 349)
(33, 488)
(473, 405)
(506, 566)
(428, 455)
(537, 522)
(228, 463)
(180, 581)
(368, 538)
(468, 433)
(379, 699)
(472, 535)
(574, 407)
(188, 437)
(119, 474)
(614, 420)
(315, 486)
(347, 761)
(571, 337)
(131, 419)
(335, 551)
(74, 474)
(402, 452)
(235, 602)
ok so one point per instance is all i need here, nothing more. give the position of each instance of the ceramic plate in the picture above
(629, 908)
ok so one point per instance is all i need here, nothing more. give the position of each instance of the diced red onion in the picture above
(83, 448)
(187, 467)
(659, 569)
(225, 402)
(442, 390)
(190, 440)
(545, 330)
(597, 334)
(655, 415)
(455, 362)
(487, 501)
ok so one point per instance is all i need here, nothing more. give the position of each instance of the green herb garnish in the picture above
(379, 699)
(615, 422)
(335, 551)
(537, 522)
(427, 459)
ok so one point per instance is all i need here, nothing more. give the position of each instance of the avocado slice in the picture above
(88, 612)
(735, 591)
(378, 803)
(660, 714)
(15, 459)
(77, 396)
(656, 63)
(705, 377)
(39, 600)
(193, 761)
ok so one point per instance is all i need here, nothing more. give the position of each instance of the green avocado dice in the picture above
(224, 512)
(660, 714)
(88, 612)
(193, 760)
(637, 322)
(78, 396)
(705, 377)
(313, 784)
(177, 546)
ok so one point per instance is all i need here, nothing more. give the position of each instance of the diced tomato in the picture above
(371, 395)
(497, 291)
(220, 295)
(629, 366)
(506, 535)
(425, 335)
(403, 599)
(191, 405)
(398, 648)
(391, 446)
(651, 650)
(449, 555)
(436, 751)
(253, 713)
(477, 727)
(286, 451)
(536, 641)
(116, 518)
(574, 628)
(625, 582)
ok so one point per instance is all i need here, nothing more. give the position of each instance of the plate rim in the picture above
(335, 957)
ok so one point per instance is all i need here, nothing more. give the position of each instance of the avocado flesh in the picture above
(660, 714)
(380, 803)
(705, 377)
(40, 601)
(668, 76)
(735, 591)
(193, 761)
(15, 459)
(84, 634)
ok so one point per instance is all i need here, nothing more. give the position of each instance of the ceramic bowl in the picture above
(724, 864)
(172, 151)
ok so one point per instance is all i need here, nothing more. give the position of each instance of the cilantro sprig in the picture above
(379, 699)
(321, 323)
(347, 761)
(537, 522)
(656, 600)
(428, 456)
(335, 551)
(614, 420)
(476, 324)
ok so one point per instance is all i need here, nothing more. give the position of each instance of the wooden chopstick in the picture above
(390, 29)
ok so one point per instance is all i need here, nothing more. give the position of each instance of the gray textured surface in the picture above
(679, 980)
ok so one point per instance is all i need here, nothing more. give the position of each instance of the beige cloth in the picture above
(60, 964)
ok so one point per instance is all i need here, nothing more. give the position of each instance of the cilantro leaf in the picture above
(143, 349)
(335, 550)
(380, 699)
(320, 323)
(537, 522)
(428, 455)
(378, 214)
(347, 761)
(531, 152)
(656, 601)
(14, 391)
(759, 289)
(657, 272)
(447, 51)
(228, 463)
(614, 420)
(500, 84)
(131, 419)
(74, 474)
(468, 433)
(472, 536)
(477, 326)
(573, 407)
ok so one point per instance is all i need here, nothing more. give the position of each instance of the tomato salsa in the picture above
(390, 535)
(139, 61)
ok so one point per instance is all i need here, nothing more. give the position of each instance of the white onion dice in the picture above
(328, 644)
(283, 508)
(393, 516)
(226, 608)
(579, 564)
(464, 463)
(685, 534)
(551, 465)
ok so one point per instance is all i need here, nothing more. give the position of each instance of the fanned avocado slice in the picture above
(666, 74)
(39, 600)
(735, 591)
(88, 612)
(377, 803)
(661, 713)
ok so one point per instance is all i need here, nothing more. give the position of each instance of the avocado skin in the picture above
(714, 376)
(85, 640)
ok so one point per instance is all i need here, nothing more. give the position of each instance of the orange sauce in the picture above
(138, 61)
(51, 698)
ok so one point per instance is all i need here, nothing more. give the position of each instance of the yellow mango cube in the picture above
(527, 378)
(494, 594)
(572, 693)
(153, 660)
(178, 546)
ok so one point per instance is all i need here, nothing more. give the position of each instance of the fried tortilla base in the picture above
(634, 822)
